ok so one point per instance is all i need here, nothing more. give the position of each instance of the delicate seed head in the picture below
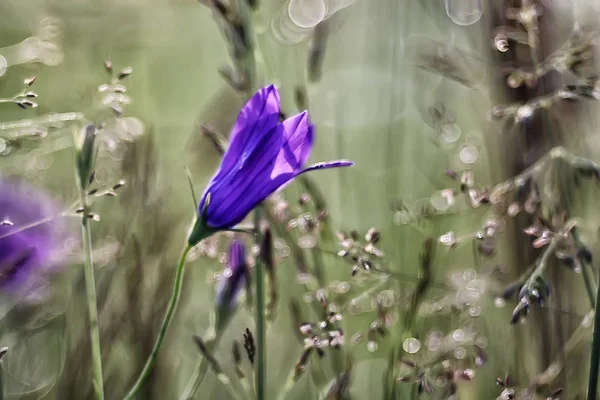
(29, 81)
(125, 72)
(448, 239)
(514, 209)
(108, 66)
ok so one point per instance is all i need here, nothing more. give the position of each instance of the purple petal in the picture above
(298, 133)
(228, 197)
(276, 161)
(257, 193)
(327, 164)
(257, 118)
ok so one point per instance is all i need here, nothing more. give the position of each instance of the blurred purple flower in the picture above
(234, 278)
(263, 156)
(31, 240)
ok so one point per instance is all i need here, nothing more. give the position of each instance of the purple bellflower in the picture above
(235, 277)
(264, 155)
(31, 241)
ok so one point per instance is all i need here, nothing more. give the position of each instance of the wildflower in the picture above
(30, 243)
(235, 277)
(263, 156)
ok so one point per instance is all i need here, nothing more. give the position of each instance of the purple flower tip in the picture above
(264, 155)
(31, 240)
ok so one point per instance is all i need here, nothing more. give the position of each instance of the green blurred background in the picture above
(372, 106)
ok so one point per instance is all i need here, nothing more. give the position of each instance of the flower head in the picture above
(30, 240)
(235, 277)
(264, 155)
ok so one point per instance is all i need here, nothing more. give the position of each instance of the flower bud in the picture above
(234, 280)
(87, 150)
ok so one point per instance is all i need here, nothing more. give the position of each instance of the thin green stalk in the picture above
(595, 358)
(141, 381)
(196, 380)
(199, 373)
(587, 272)
(414, 393)
(588, 280)
(1, 382)
(90, 289)
(262, 52)
(398, 336)
(289, 384)
(261, 361)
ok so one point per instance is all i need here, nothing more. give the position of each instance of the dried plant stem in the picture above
(556, 153)
(595, 358)
(261, 328)
(90, 289)
(170, 312)
(44, 120)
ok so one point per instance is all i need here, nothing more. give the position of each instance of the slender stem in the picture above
(170, 312)
(199, 372)
(2, 396)
(261, 362)
(414, 393)
(595, 358)
(196, 379)
(588, 280)
(44, 120)
(583, 332)
(262, 53)
(90, 289)
(542, 264)
(289, 384)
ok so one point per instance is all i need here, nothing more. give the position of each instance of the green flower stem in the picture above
(90, 289)
(595, 358)
(261, 361)
(141, 381)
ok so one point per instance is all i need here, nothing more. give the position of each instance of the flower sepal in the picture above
(201, 230)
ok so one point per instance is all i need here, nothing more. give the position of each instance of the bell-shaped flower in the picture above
(264, 155)
(234, 278)
(31, 241)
